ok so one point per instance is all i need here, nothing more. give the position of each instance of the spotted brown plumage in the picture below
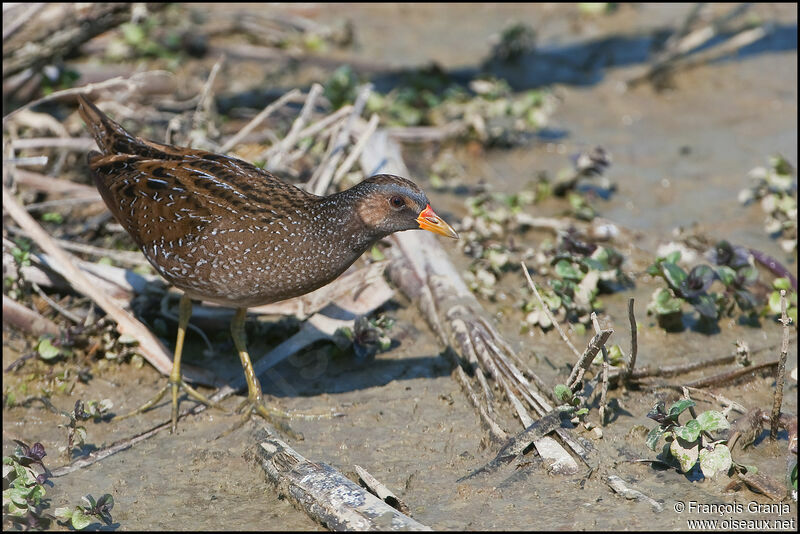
(225, 231)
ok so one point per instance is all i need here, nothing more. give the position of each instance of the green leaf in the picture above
(53, 216)
(673, 257)
(63, 513)
(37, 493)
(563, 393)
(81, 520)
(25, 475)
(615, 356)
(712, 420)
(663, 303)
(565, 269)
(18, 495)
(46, 349)
(594, 264)
(748, 275)
(782, 283)
(774, 303)
(134, 34)
(376, 254)
(13, 509)
(653, 436)
(685, 452)
(688, 432)
(678, 408)
(726, 274)
(674, 275)
(715, 460)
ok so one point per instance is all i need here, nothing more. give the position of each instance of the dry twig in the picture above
(780, 376)
(604, 387)
(380, 490)
(355, 153)
(275, 153)
(585, 359)
(291, 96)
(131, 84)
(26, 319)
(634, 340)
(323, 175)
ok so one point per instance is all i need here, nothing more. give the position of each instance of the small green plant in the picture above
(368, 336)
(733, 269)
(341, 87)
(80, 517)
(23, 494)
(76, 433)
(582, 271)
(773, 306)
(145, 38)
(23, 487)
(22, 252)
(487, 109)
(667, 309)
(692, 442)
(514, 42)
(57, 79)
(568, 397)
(775, 186)
(53, 217)
(49, 348)
(581, 209)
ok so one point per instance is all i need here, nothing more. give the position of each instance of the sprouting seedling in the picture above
(81, 517)
(76, 433)
(74, 430)
(692, 442)
(566, 396)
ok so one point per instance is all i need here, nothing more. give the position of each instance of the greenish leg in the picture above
(175, 382)
(254, 402)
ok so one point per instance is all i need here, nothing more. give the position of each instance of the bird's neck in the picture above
(339, 222)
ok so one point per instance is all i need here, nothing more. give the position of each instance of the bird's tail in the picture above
(112, 138)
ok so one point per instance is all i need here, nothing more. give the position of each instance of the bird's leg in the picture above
(254, 402)
(175, 381)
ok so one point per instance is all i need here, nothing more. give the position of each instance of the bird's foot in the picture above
(255, 406)
(175, 386)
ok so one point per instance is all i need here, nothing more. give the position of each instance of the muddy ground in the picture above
(679, 157)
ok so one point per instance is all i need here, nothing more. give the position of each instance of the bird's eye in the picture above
(397, 202)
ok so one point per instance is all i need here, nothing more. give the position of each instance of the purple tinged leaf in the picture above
(699, 280)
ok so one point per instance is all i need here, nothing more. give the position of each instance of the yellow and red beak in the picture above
(431, 222)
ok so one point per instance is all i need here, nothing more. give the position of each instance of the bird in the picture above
(222, 230)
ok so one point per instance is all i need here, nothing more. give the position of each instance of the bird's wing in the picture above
(172, 198)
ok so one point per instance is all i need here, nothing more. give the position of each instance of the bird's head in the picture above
(389, 204)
